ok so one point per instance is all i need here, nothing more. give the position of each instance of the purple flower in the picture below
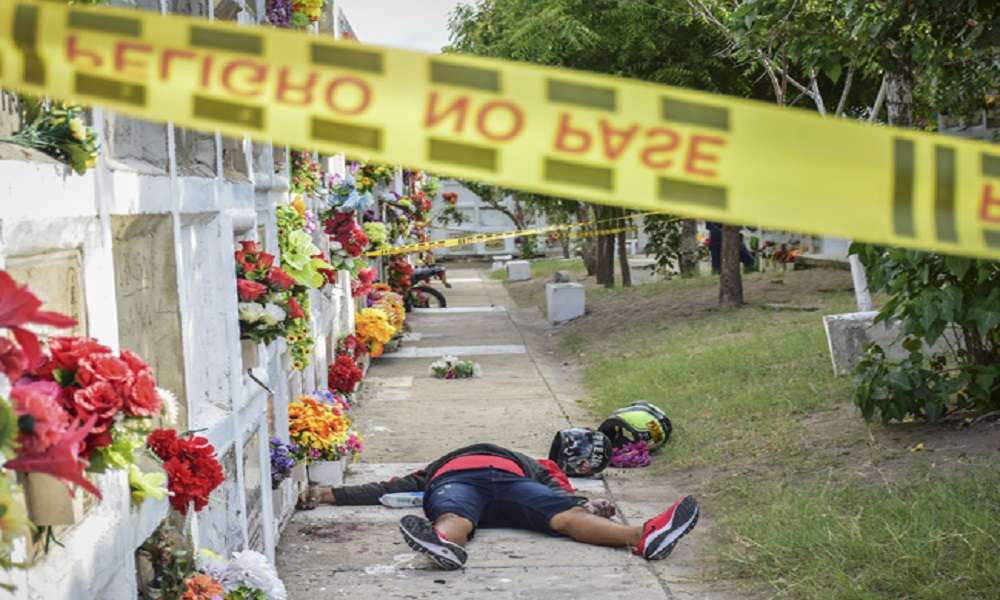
(279, 12)
(282, 461)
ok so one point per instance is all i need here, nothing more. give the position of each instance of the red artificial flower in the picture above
(66, 354)
(250, 290)
(249, 247)
(193, 471)
(163, 442)
(13, 362)
(42, 421)
(363, 285)
(141, 397)
(100, 400)
(19, 307)
(102, 367)
(343, 374)
(294, 310)
(280, 278)
(61, 461)
(134, 361)
(450, 197)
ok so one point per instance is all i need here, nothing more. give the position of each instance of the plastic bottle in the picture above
(403, 499)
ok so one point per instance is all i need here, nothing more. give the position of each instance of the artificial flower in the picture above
(61, 460)
(281, 279)
(170, 410)
(251, 312)
(146, 485)
(282, 461)
(193, 471)
(451, 367)
(41, 419)
(13, 362)
(294, 310)
(248, 575)
(343, 374)
(202, 587)
(373, 328)
(273, 314)
(18, 308)
(250, 290)
(363, 284)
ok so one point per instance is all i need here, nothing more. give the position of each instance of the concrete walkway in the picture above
(409, 419)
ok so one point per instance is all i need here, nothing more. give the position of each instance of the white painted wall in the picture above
(45, 209)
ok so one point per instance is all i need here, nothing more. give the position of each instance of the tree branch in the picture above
(879, 101)
(816, 96)
(848, 82)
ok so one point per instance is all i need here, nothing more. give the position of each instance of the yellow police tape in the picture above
(556, 132)
(478, 238)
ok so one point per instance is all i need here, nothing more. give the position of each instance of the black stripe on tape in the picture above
(690, 113)
(578, 94)
(991, 166)
(231, 113)
(688, 192)
(111, 89)
(231, 41)
(345, 133)
(476, 78)
(902, 187)
(124, 26)
(347, 58)
(992, 238)
(561, 171)
(944, 193)
(26, 40)
(466, 155)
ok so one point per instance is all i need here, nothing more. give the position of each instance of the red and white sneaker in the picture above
(661, 533)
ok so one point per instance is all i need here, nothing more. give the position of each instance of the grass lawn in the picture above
(805, 499)
(543, 268)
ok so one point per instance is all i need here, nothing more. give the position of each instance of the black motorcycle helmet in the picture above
(580, 452)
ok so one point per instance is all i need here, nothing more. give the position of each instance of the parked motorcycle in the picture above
(421, 294)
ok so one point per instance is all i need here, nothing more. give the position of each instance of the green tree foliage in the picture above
(946, 300)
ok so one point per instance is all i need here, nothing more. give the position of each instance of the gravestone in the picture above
(518, 270)
(57, 279)
(253, 493)
(564, 301)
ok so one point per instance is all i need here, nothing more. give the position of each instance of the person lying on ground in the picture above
(484, 485)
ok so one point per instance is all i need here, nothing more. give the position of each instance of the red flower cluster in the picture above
(96, 383)
(343, 374)
(257, 274)
(193, 471)
(399, 274)
(450, 197)
(342, 228)
(352, 346)
(363, 284)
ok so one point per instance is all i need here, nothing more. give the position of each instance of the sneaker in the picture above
(422, 537)
(661, 533)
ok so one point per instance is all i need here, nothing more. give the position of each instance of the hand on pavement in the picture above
(601, 508)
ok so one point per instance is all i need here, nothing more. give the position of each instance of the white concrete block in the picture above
(847, 335)
(564, 301)
(518, 270)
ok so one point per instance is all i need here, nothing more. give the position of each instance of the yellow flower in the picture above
(299, 205)
(78, 129)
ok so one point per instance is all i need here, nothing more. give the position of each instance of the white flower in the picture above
(4, 386)
(273, 314)
(335, 245)
(170, 409)
(250, 312)
(253, 570)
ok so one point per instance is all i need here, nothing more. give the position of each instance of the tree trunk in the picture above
(899, 98)
(731, 279)
(564, 244)
(623, 254)
(688, 261)
(588, 250)
(609, 260)
(602, 261)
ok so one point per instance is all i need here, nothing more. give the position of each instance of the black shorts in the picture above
(495, 498)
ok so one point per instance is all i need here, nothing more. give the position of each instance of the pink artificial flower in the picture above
(42, 420)
(19, 307)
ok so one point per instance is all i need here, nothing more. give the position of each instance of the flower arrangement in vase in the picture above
(343, 374)
(193, 470)
(373, 328)
(267, 304)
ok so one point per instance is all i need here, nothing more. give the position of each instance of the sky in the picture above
(411, 24)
